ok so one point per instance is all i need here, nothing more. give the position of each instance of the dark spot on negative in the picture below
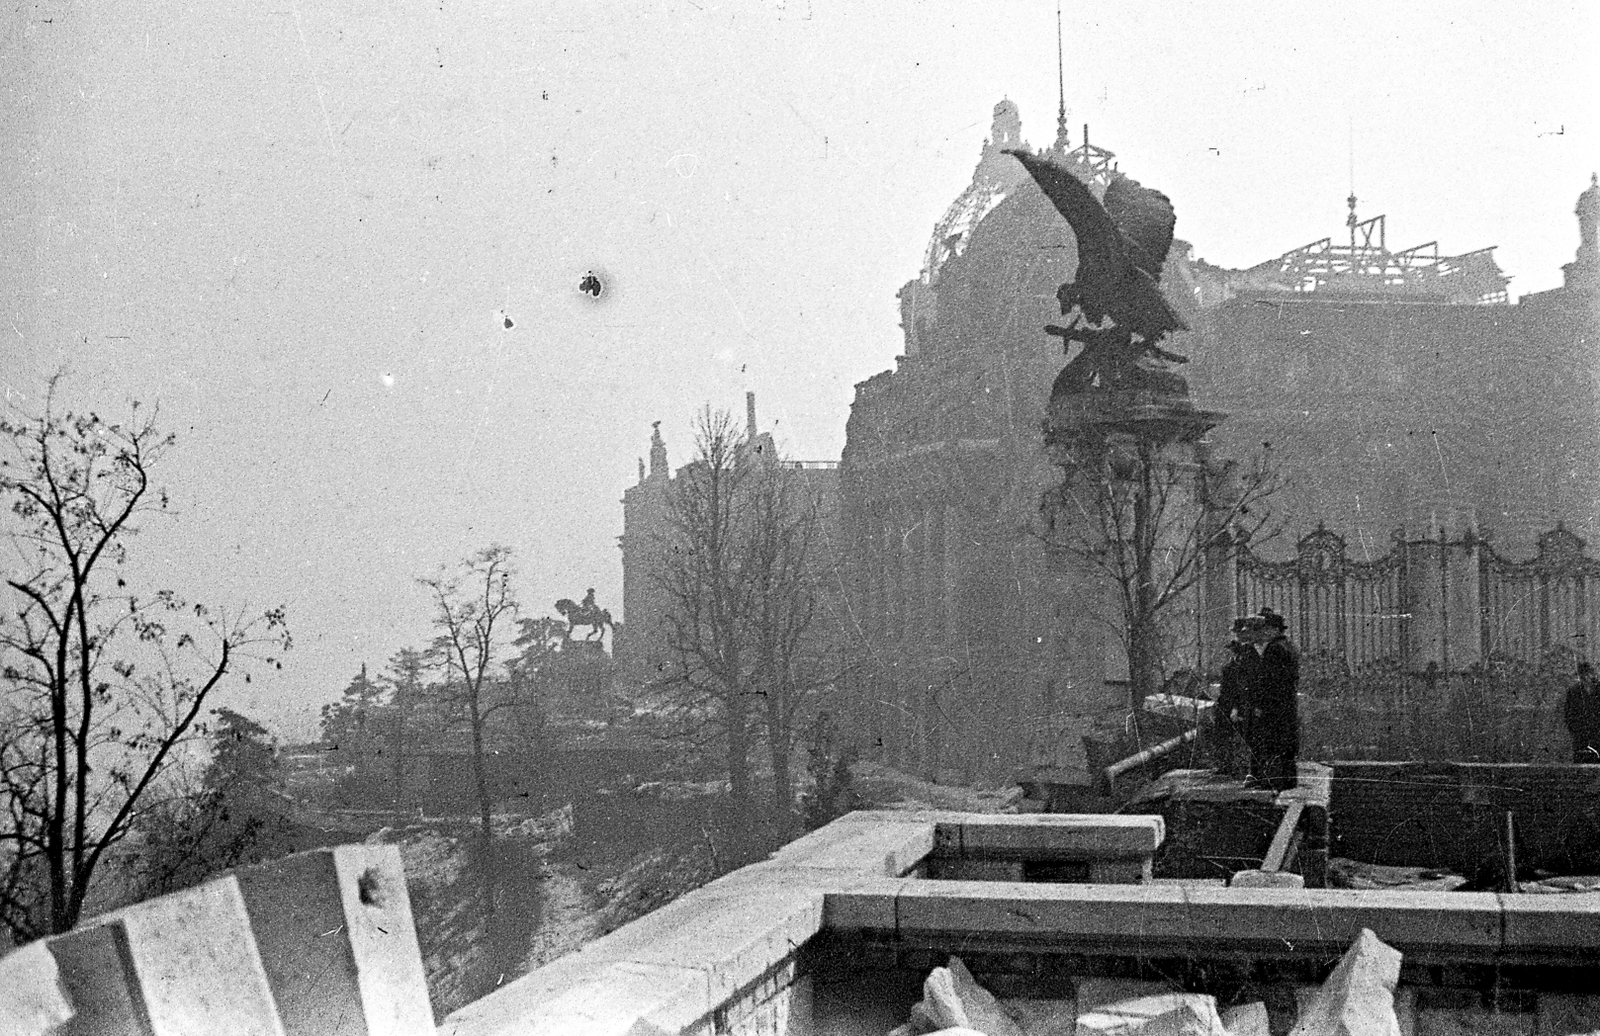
(591, 284)
(509, 324)
(368, 887)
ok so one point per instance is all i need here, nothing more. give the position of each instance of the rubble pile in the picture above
(1358, 999)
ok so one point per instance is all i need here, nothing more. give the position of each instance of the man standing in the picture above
(1583, 716)
(1275, 707)
(1232, 727)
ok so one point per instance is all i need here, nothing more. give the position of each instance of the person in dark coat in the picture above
(1274, 704)
(1232, 712)
(1583, 716)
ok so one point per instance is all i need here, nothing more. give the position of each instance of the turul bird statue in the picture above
(1118, 312)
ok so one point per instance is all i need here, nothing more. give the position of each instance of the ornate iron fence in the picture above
(1440, 649)
(1353, 610)
(1551, 601)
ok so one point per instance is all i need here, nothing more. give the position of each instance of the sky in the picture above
(300, 227)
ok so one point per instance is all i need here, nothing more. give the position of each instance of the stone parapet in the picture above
(275, 950)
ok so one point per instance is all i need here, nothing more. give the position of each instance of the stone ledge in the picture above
(1032, 910)
(1046, 836)
(873, 845)
(1564, 927)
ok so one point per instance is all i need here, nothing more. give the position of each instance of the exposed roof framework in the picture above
(1366, 265)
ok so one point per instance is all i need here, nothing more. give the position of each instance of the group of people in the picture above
(1258, 717)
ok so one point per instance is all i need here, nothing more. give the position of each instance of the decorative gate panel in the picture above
(1335, 606)
(1548, 603)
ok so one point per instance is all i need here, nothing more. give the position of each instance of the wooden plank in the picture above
(1279, 849)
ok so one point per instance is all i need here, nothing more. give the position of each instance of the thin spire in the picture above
(1062, 143)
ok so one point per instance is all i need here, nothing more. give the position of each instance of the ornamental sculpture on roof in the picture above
(1115, 307)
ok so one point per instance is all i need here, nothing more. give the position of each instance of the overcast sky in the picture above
(299, 225)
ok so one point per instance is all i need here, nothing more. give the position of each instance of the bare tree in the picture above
(1148, 517)
(778, 563)
(101, 686)
(473, 608)
(736, 572)
(707, 603)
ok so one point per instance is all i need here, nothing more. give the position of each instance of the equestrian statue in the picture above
(585, 614)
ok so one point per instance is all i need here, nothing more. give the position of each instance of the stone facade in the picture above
(1395, 389)
(1393, 392)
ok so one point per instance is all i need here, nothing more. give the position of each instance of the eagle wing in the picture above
(1101, 248)
(1145, 219)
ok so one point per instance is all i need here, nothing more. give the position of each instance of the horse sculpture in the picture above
(596, 618)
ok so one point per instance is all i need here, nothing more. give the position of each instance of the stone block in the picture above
(32, 1000)
(1260, 879)
(870, 844)
(337, 939)
(1358, 998)
(1247, 1020)
(1094, 993)
(1160, 1014)
(190, 961)
(1044, 1017)
(1120, 872)
(1064, 836)
(1193, 1016)
(865, 906)
(734, 936)
(1564, 1014)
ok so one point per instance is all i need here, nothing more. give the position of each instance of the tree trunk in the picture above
(486, 827)
(778, 740)
(399, 762)
(738, 760)
(1144, 648)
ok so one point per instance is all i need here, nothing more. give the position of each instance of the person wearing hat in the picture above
(1232, 713)
(1274, 703)
(1582, 713)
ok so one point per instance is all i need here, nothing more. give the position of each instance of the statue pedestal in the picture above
(1140, 415)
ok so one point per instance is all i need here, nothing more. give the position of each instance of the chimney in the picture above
(750, 415)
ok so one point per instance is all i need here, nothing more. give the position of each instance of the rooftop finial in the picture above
(1062, 144)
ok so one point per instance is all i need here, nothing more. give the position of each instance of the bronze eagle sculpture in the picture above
(1122, 244)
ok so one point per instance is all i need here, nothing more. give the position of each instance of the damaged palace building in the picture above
(1420, 418)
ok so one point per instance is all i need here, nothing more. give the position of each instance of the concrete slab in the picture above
(194, 956)
(32, 1000)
